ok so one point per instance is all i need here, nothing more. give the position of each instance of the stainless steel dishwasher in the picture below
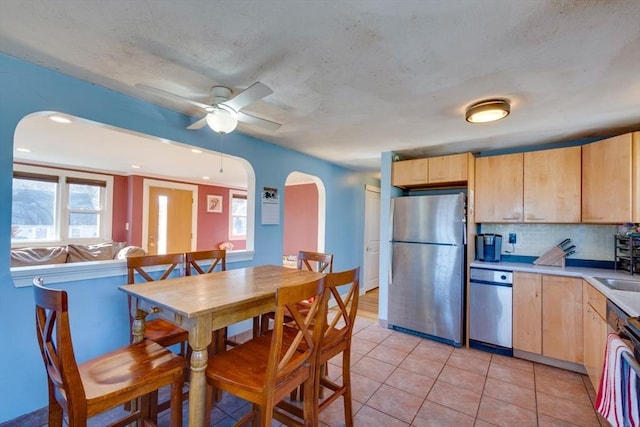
(491, 308)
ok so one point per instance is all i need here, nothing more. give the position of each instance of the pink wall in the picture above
(213, 228)
(120, 211)
(300, 218)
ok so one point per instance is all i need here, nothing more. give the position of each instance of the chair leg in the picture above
(266, 415)
(310, 404)
(346, 382)
(176, 399)
(146, 411)
(55, 412)
(256, 326)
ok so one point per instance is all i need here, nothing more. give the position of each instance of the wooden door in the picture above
(499, 188)
(562, 318)
(409, 173)
(372, 238)
(448, 169)
(527, 312)
(169, 222)
(552, 185)
(606, 180)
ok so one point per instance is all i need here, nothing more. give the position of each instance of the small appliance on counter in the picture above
(488, 247)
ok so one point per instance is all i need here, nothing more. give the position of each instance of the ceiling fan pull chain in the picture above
(221, 148)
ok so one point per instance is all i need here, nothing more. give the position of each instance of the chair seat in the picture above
(245, 366)
(165, 333)
(112, 374)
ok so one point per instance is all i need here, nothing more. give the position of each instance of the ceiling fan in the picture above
(223, 114)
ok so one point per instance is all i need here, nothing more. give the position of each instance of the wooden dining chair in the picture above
(81, 391)
(311, 261)
(335, 340)
(156, 329)
(194, 263)
(159, 330)
(264, 370)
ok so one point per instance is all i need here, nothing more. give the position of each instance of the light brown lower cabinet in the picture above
(595, 332)
(527, 312)
(548, 316)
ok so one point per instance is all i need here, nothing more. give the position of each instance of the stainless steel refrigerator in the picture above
(427, 272)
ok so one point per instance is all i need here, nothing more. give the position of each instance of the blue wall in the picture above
(98, 310)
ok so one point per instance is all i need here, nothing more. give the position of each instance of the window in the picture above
(59, 206)
(238, 218)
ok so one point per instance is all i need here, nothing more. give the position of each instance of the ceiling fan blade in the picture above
(251, 94)
(173, 96)
(257, 121)
(198, 124)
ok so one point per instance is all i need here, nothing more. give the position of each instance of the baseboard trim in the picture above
(569, 366)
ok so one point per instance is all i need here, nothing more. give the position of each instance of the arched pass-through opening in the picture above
(304, 215)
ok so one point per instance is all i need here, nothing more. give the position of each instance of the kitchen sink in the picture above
(620, 284)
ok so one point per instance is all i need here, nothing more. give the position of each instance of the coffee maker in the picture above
(488, 247)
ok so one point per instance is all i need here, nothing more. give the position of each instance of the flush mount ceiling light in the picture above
(488, 111)
(59, 119)
(222, 119)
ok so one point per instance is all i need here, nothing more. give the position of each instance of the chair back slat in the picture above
(218, 257)
(323, 262)
(285, 359)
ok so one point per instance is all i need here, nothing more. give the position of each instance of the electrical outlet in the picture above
(512, 238)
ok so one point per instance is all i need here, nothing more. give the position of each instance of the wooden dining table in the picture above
(207, 302)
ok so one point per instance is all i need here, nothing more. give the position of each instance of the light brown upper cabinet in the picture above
(552, 185)
(499, 188)
(448, 169)
(410, 173)
(431, 172)
(610, 173)
(537, 186)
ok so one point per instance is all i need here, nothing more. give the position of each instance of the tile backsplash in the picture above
(593, 242)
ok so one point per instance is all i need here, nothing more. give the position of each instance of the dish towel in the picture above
(618, 397)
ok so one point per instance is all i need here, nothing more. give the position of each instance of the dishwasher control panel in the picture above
(491, 276)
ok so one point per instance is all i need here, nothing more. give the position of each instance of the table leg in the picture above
(199, 340)
(138, 326)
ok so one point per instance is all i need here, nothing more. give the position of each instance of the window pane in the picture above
(238, 215)
(33, 210)
(239, 225)
(82, 196)
(239, 207)
(83, 224)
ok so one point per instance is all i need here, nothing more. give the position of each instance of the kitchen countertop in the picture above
(628, 301)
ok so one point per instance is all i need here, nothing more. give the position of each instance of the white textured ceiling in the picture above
(352, 79)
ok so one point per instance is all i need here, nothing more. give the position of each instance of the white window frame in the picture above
(245, 196)
(62, 210)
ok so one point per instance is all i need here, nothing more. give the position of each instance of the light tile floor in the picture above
(402, 380)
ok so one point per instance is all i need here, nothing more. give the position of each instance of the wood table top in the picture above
(193, 296)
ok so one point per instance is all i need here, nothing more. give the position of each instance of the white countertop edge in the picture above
(627, 301)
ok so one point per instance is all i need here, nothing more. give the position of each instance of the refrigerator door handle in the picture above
(391, 209)
(390, 269)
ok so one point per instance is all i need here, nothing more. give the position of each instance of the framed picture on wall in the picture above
(214, 203)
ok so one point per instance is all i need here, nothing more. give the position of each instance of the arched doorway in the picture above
(304, 215)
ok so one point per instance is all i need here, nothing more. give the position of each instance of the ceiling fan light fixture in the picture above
(223, 119)
(488, 111)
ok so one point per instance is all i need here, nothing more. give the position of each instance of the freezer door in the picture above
(429, 219)
(426, 293)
